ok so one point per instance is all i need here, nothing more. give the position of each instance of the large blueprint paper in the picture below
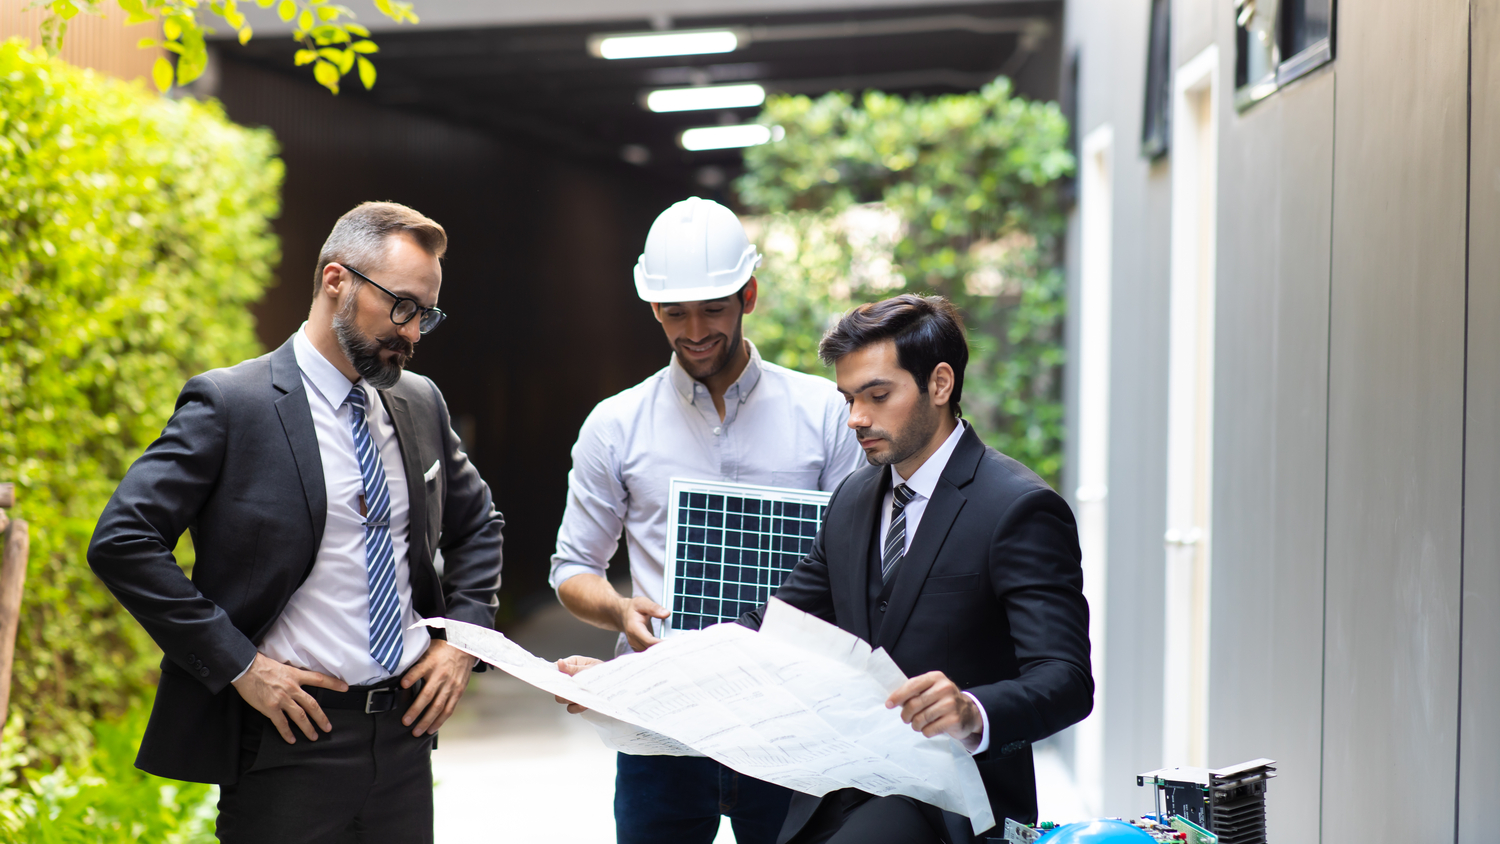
(800, 704)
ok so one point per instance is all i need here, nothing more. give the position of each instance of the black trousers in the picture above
(854, 817)
(369, 780)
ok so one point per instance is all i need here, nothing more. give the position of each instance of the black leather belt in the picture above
(372, 699)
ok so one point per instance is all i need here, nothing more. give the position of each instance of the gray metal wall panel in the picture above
(1138, 484)
(1112, 35)
(1194, 27)
(1275, 219)
(1395, 422)
(1137, 501)
(1479, 736)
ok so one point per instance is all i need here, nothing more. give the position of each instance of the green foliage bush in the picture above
(103, 799)
(134, 232)
(971, 183)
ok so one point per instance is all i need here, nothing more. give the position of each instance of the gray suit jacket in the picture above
(238, 466)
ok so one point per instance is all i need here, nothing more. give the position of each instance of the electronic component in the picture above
(1228, 802)
(1019, 833)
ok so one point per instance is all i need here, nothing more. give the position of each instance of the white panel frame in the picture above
(1096, 219)
(1196, 97)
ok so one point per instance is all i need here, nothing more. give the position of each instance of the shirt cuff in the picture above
(984, 729)
(564, 571)
(245, 671)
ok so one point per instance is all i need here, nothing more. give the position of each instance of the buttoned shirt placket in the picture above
(722, 431)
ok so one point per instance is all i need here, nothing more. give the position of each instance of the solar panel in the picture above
(729, 546)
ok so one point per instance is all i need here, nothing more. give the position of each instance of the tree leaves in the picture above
(317, 24)
(161, 73)
(134, 234)
(972, 180)
(327, 75)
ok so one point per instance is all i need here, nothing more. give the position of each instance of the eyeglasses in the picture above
(404, 309)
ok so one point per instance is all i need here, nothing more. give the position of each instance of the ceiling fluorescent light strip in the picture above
(705, 97)
(641, 45)
(729, 137)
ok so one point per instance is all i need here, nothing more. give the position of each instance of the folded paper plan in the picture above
(800, 704)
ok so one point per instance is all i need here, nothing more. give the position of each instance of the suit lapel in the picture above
(416, 487)
(302, 437)
(851, 604)
(947, 500)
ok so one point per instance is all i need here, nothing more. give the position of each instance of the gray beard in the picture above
(364, 352)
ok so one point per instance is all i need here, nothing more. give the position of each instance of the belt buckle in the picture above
(370, 701)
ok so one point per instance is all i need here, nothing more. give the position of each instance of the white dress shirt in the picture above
(922, 484)
(780, 428)
(326, 624)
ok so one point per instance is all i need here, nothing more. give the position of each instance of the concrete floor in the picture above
(512, 766)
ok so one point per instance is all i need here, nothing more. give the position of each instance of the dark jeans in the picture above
(679, 799)
(369, 780)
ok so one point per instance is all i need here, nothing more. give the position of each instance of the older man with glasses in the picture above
(319, 482)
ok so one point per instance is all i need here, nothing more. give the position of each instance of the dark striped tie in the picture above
(380, 560)
(895, 538)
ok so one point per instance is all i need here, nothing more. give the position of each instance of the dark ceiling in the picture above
(541, 83)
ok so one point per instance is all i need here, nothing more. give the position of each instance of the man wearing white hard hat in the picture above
(715, 412)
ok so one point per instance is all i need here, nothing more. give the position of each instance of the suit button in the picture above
(882, 606)
(203, 672)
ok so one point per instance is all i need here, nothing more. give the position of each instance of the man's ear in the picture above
(750, 292)
(940, 385)
(656, 310)
(334, 278)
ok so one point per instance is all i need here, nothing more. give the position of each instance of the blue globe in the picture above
(1097, 832)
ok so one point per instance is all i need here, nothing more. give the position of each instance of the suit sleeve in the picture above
(131, 550)
(470, 539)
(1035, 567)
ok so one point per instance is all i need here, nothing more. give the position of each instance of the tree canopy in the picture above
(332, 42)
(958, 195)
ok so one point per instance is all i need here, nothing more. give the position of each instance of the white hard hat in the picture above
(696, 250)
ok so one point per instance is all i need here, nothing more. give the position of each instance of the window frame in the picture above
(1156, 121)
(1288, 68)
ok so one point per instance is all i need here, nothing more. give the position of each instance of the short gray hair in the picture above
(359, 238)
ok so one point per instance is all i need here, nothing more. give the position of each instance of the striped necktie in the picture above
(895, 538)
(380, 560)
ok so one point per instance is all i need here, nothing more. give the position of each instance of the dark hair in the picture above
(927, 329)
(359, 238)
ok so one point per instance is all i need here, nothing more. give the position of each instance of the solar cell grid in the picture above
(730, 545)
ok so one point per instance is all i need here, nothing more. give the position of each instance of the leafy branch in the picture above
(331, 41)
(958, 194)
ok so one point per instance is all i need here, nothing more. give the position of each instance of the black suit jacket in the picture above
(239, 466)
(990, 593)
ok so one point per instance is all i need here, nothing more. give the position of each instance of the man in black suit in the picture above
(959, 561)
(318, 481)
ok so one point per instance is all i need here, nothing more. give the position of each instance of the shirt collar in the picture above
(684, 383)
(326, 379)
(923, 482)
